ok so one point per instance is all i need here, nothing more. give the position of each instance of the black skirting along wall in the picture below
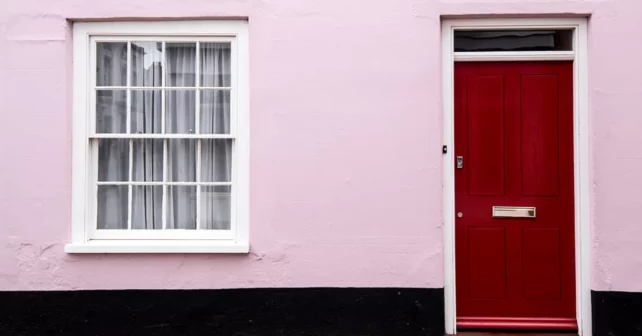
(242, 312)
(617, 313)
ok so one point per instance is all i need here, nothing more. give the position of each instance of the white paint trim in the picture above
(582, 183)
(85, 35)
(581, 151)
(514, 56)
(200, 29)
(514, 23)
(448, 99)
(79, 186)
(146, 246)
(161, 136)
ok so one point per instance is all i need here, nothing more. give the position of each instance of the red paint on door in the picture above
(514, 131)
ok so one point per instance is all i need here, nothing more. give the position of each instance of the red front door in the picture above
(514, 220)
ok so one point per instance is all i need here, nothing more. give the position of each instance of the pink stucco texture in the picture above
(346, 160)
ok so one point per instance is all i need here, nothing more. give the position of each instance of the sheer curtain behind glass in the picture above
(215, 119)
(147, 165)
(111, 117)
(146, 117)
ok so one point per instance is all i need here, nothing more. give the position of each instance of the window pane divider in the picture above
(163, 87)
(192, 37)
(131, 141)
(165, 142)
(130, 198)
(165, 164)
(116, 183)
(198, 185)
(160, 136)
(197, 123)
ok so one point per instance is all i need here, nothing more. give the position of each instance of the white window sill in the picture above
(138, 246)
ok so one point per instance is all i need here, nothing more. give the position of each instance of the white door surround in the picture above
(581, 139)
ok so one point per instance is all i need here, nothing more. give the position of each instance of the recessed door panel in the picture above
(540, 135)
(487, 262)
(485, 136)
(541, 263)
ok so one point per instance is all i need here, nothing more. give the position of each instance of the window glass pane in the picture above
(181, 111)
(112, 207)
(147, 63)
(111, 111)
(181, 165)
(215, 112)
(513, 40)
(147, 207)
(146, 111)
(111, 63)
(216, 207)
(216, 160)
(181, 207)
(216, 64)
(148, 160)
(181, 64)
(113, 160)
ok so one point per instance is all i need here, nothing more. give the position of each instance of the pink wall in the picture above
(346, 141)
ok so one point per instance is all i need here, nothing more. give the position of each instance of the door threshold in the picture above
(544, 324)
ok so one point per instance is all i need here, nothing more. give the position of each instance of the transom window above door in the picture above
(164, 136)
(513, 40)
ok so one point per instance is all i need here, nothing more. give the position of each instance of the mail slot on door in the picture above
(513, 212)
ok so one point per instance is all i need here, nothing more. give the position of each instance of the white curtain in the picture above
(216, 161)
(180, 117)
(111, 117)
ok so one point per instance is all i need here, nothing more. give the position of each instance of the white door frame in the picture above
(581, 139)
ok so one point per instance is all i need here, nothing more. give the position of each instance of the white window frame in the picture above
(84, 238)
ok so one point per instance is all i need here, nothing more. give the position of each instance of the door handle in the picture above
(460, 162)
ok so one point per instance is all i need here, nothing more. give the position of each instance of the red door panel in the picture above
(485, 96)
(487, 255)
(541, 263)
(514, 133)
(540, 135)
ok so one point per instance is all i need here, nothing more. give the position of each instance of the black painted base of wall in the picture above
(616, 313)
(242, 312)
